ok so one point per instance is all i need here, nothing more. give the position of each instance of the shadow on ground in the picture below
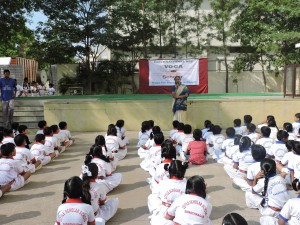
(19, 216)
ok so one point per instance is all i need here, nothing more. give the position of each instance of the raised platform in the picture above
(95, 112)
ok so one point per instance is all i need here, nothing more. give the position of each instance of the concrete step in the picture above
(29, 108)
(29, 114)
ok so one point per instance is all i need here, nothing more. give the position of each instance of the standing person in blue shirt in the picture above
(180, 93)
(8, 94)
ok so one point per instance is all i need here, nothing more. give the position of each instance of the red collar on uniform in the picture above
(157, 144)
(7, 137)
(180, 131)
(37, 142)
(92, 180)
(74, 200)
(21, 146)
(167, 160)
(175, 178)
(7, 157)
(48, 136)
(193, 194)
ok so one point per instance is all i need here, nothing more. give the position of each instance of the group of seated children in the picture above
(169, 202)
(88, 192)
(34, 89)
(20, 158)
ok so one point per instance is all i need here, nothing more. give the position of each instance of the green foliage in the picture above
(65, 82)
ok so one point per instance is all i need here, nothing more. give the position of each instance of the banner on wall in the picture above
(149, 84)
(163, 72)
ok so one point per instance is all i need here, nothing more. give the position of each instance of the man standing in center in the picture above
(8, 94)
(180, 93)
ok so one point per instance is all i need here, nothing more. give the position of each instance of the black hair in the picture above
(237, 138)
(145, 126)
(247, 119)
(22, 128)
(155, 130)
(42, 124)
(14, 125)
(7, 149)
(1, 137)
(217, 129)
(197, 134)
(288, 127)
(258, 152)
(245, 143)
(39, 137)
(48, 131)
(187, 129)
(290, 145)
(6, 71)
(297, 115)
(180, 126)
(234, 219)
(95, 151)
(251, 127)
(20, 139)
(159, 138)
(296, 184)
(237, 122)
(99, 141)
(272, 123)
(207, 123)
(176, 168)
(211, 127)
(297, 147)
(120, 123)
(74, 189)
(93, 168)
(175, 123)
(266, 131)
(196, 185)
(270, 117)
(54, 128)
(151, 123)
(62, 125)
(112, 130)
(168, 151)
(230, 132)
(7, 132)
(282, 134)
(268, 166)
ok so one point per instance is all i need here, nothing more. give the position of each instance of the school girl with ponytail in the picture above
(103, 209)
(105, 175)
(269, 193)
(76, 204)
(166, 192)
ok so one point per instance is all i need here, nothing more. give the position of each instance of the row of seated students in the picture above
(86, 194)
(262, 167)
(19, 158)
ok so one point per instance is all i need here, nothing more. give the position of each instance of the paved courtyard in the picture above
(37, 202)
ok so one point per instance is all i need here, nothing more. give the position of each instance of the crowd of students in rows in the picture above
(261, 160)
(20, 158)
(34, 89)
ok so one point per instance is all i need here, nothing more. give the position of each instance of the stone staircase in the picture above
(27, 112)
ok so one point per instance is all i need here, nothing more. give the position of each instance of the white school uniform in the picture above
(190, 209)
(252, 171)
(184, 141)
(176, 136)
(227, 159)
(292, 136)
(40, 131)
(121, 134)
(10, 169)
(294, 165)
(143, 138)
(113, 160)
(172, 132)
(159, 174)
(66, 136)
(286, 158)
(152, 159)
(116, 146)
(159, 201)
(74, 211)
(291, 211)
(296, 126)
(278, 150)
(24, 156)
(111, 180)
(266, 142)
(40, 152)
(238, 130)
(243, 130)
(244, 160)
(98, 193)
(49, 144)
(259, 126)
(206, 135)
(226, 145)
(276, 192)
(144, 152)
(273, 133)
(59, 141)
(253, 136)
(214, 143)
(51, 91)
(8, 139)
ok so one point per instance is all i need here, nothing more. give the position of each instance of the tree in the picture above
(268, 31)
(219, 22)
(78, 26)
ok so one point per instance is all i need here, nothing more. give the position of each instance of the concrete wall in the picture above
(96, 115)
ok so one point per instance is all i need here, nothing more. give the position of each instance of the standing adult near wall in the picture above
(8, 94)
(180, 93)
